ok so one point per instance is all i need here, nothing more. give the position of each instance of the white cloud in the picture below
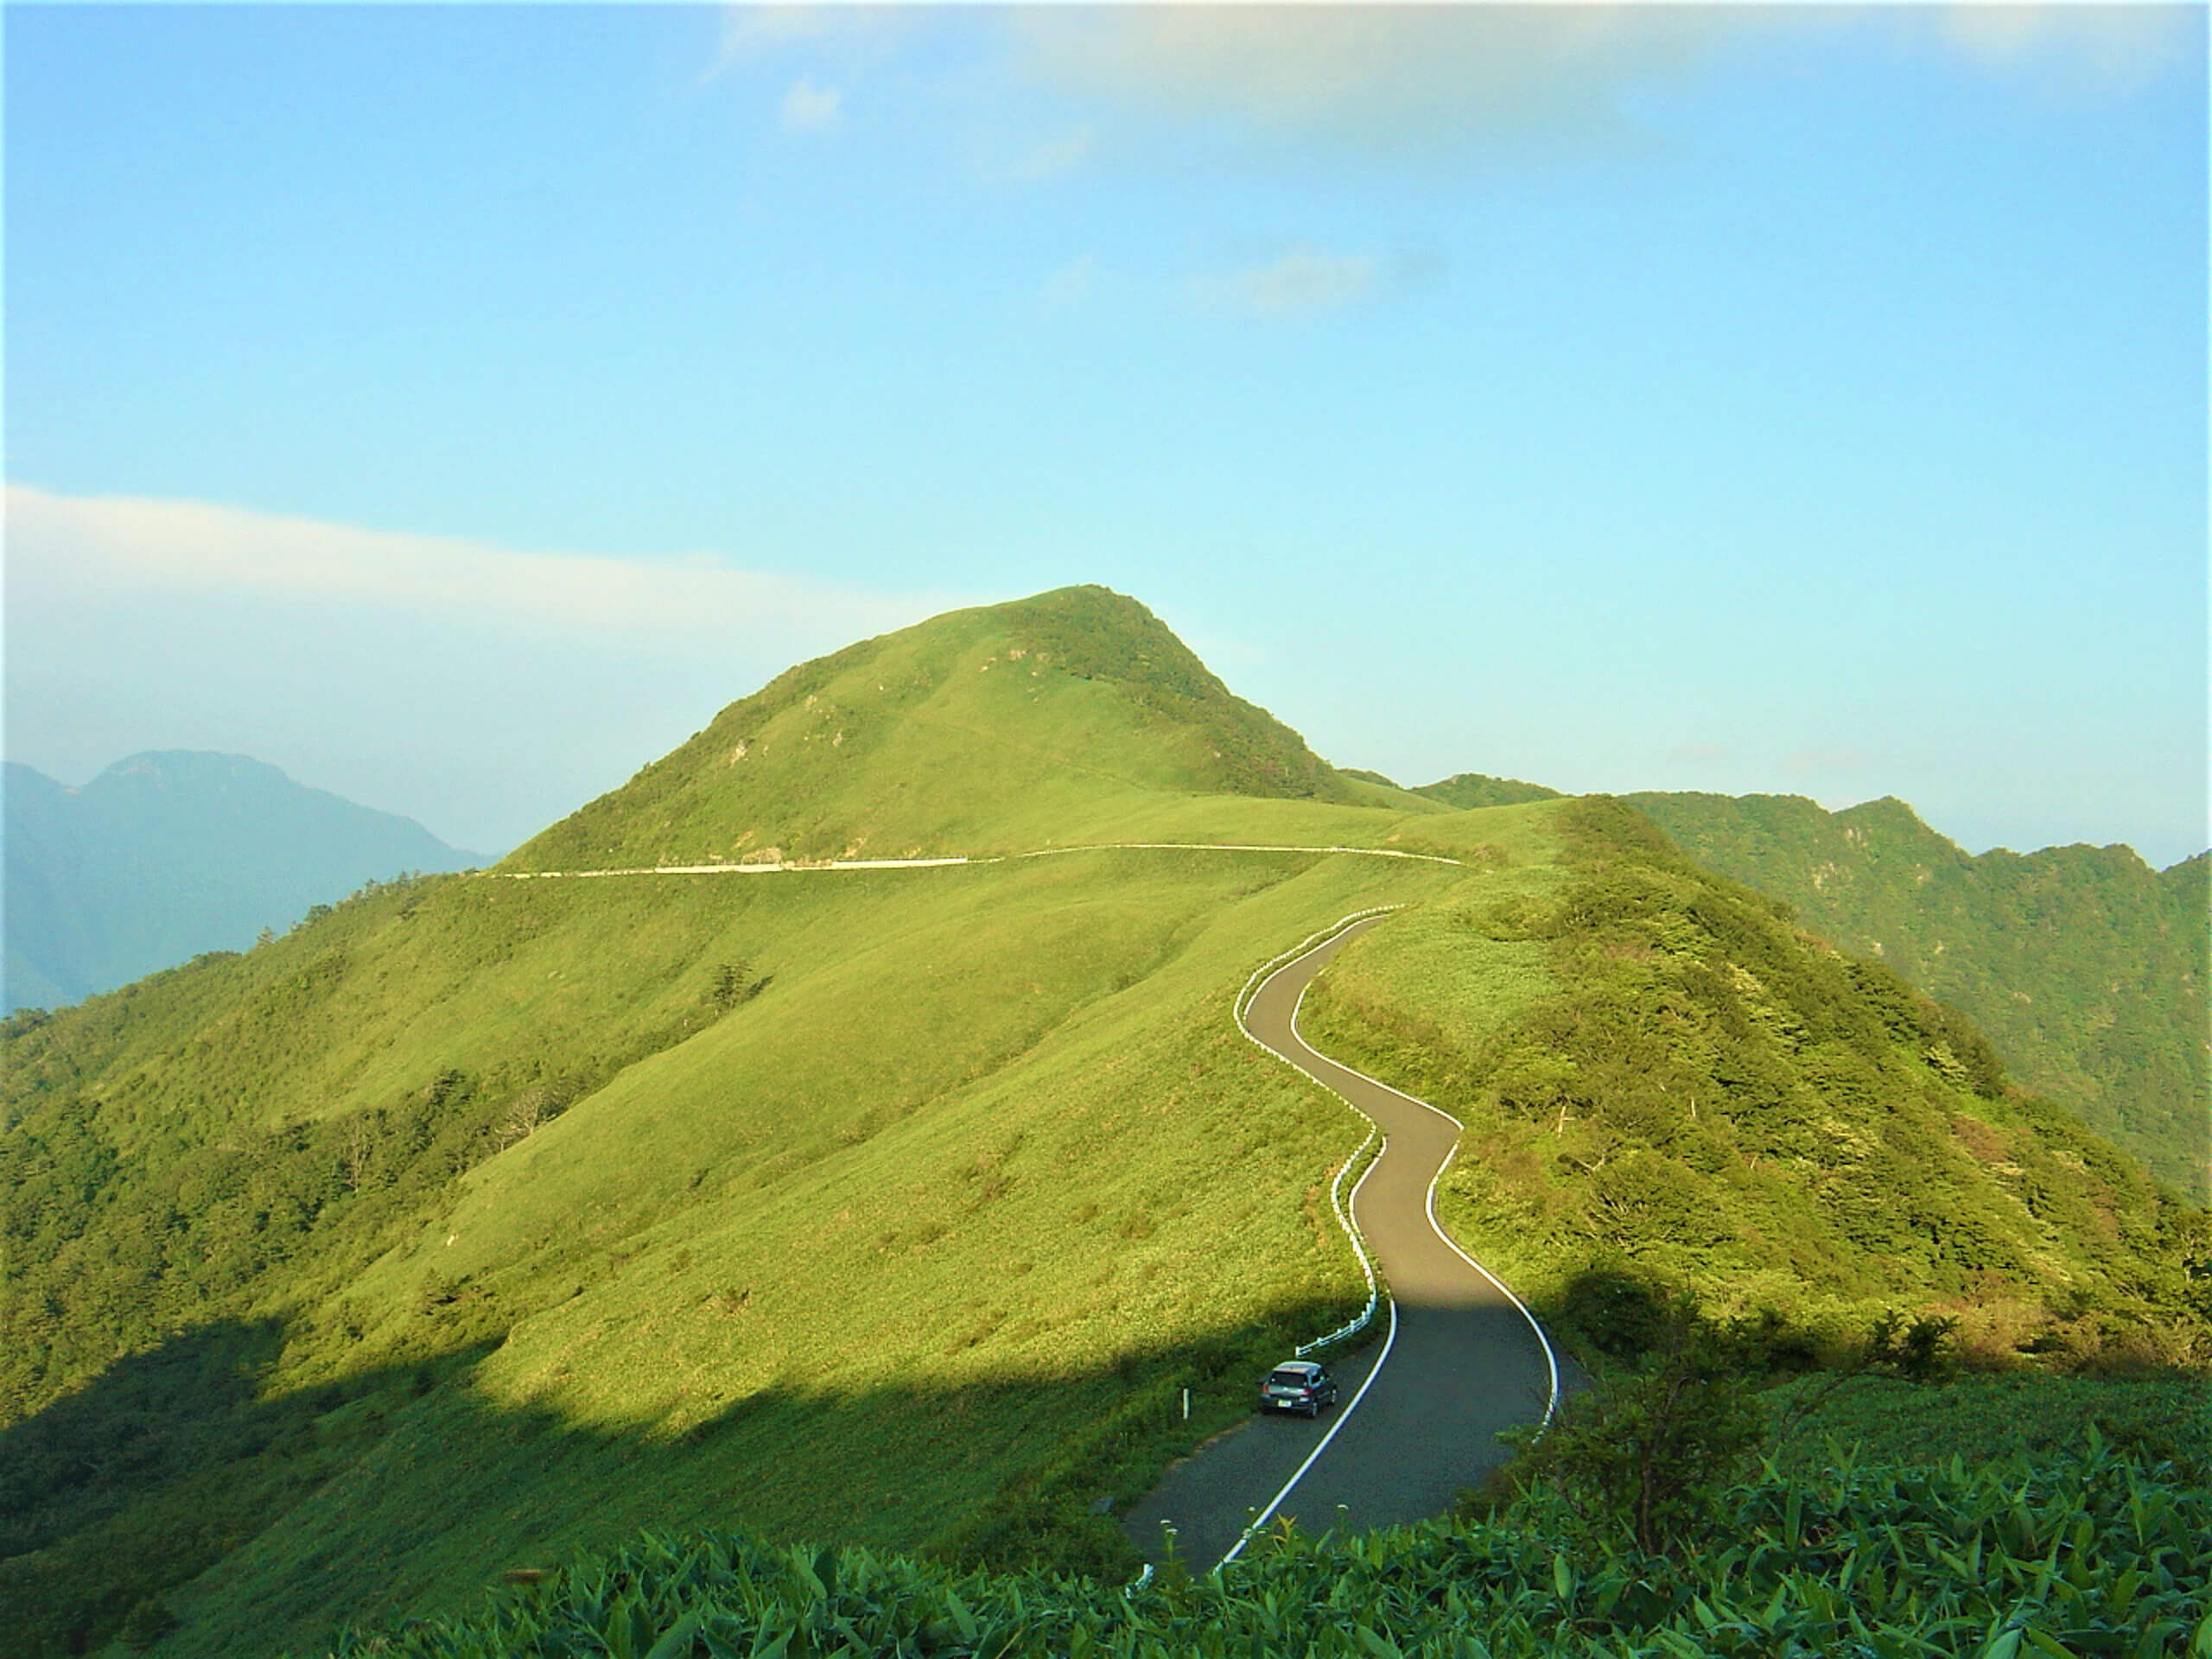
(751, 34)
(756, 31)
(61, 544)
(1410, 78)
(808, 107)
(1381, 77)
(482, 690)
(2095, 47)
(1298, 283)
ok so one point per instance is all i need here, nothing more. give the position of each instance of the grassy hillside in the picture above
(501, 1221)
(2087, 967)
(1702, 1097)
(1471, 789)
(485, 1218)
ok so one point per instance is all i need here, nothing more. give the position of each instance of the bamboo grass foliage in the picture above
(2100, 1554)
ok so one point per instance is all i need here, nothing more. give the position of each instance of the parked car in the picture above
(1297, 1385)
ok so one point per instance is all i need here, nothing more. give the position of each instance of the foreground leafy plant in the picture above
(2097, 1554)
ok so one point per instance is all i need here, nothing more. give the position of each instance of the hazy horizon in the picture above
(500, 849)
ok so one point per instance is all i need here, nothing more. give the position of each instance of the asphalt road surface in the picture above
(1420, 1408)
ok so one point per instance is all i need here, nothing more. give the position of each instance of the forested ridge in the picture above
(2087, 967)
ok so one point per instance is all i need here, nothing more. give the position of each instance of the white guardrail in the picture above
(1358, 1160)
(796, 866)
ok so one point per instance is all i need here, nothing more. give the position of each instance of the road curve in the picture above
(1461, 1357)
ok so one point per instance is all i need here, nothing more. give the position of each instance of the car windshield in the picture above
(1289, 1378)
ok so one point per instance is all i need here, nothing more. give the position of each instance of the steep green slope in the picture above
(526, 1240)
(1703, 1098)
(2086, 967)
(1044, 721)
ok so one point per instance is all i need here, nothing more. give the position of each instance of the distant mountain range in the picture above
(168, 855)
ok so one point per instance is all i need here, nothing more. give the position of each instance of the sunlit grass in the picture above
(981, 1178)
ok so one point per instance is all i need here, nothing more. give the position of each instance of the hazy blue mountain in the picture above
(166, 855)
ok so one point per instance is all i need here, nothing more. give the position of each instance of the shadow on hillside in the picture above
(402, 1489)
(1622, 1311)
(154, 1470)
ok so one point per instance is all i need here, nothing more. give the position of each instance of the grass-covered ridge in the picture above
(2085, 966)
(1470, 789)
(483, 1220)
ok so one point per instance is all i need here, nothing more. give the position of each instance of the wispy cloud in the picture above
(482, 690)
(81, 544)
(1413, 79)
(2103, 48)
(1388, 77)
(1439, 79)
(1298, 283)
(750, 34)
(810, 107)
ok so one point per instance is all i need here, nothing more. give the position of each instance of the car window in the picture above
(1289, 1379)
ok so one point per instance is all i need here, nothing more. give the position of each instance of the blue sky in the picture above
(456, 406)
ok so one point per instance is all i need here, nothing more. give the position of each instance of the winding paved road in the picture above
(1459, 1358)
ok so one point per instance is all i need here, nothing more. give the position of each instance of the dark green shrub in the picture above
(1649, 1451)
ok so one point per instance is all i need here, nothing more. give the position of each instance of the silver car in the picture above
(1297, 1385)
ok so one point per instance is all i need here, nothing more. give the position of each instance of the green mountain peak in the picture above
(1019, 723)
